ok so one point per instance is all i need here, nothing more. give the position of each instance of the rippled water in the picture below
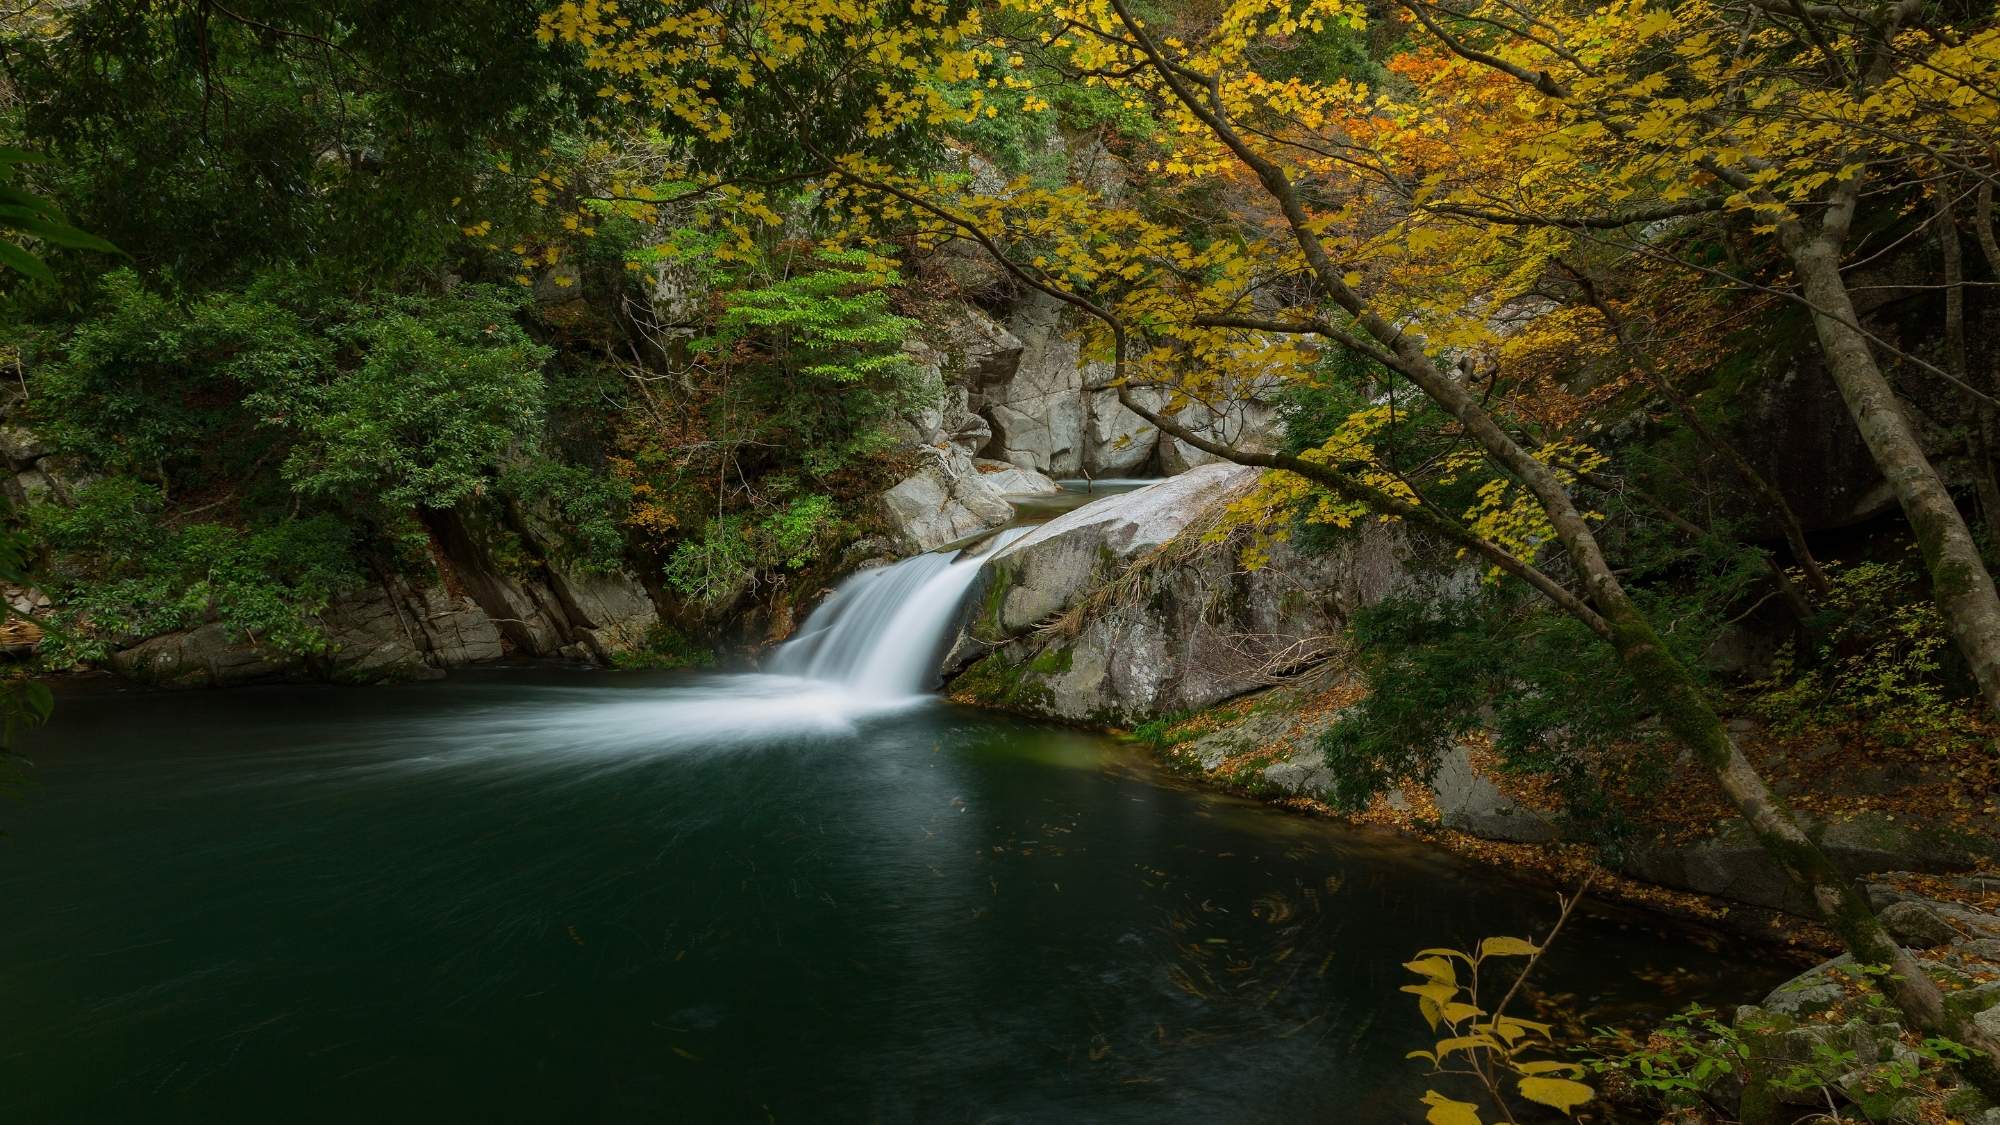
(546, 897)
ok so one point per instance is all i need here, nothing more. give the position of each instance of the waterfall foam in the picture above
(884, 631)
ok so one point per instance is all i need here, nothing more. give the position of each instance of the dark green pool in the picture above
(548, 897)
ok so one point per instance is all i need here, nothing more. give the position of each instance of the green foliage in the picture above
(118, 572)
(1694, 1052)
(821, 354)
(1167, 731)
(794, 533)
(666, 647)
(1440, 669)
(390, 401)
(585, 509)
(1884, 659)
(212, 141)
(714, 567)
(25, 214)
(444, 388)
(786, 417)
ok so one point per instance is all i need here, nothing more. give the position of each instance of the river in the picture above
(543, 895)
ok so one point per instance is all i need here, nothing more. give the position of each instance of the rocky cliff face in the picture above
(465, 611)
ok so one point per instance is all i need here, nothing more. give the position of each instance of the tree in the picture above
(1187, 311)
(1657, 111)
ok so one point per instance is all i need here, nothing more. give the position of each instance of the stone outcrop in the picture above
(1121, 611)
(945, 501)
(1817, 1040)
(610, 612)
(1037, 408)
(402, 627)
(1732, 865)
(1243, 418)
(1011, 481)
(206, 656)
(387, 632)
(1118, 442)
(1272, 743)
(29, 472)
(1057, 564)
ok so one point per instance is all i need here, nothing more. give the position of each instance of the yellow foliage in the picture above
(1486, 1047)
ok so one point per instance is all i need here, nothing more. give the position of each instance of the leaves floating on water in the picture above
(1272, 907)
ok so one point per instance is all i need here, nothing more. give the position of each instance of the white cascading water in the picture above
(883, 632)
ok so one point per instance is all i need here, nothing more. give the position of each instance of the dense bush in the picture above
(783, 421)
(386, 402)
(118, 573)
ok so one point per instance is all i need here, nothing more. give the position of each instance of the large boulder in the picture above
(1011, 481)
(1243, 418)
(1469, 801)
(611, 612)
(389, 632)
(973, 349)
(1123, 610)
(1825, 1039)
(1054, 566)
(946, 500)
(207, 656)
(1732, 864)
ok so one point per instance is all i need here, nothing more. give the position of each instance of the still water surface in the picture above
(567, 897)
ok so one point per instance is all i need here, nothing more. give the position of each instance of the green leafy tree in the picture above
(25, 214)
(443, 390)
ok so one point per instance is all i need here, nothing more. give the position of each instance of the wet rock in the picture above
(1121, 611)
(1055, 565)
(1915, 925)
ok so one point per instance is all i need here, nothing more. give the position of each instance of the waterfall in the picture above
(883, 632)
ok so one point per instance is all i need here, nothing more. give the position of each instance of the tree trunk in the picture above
(1960, 583)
